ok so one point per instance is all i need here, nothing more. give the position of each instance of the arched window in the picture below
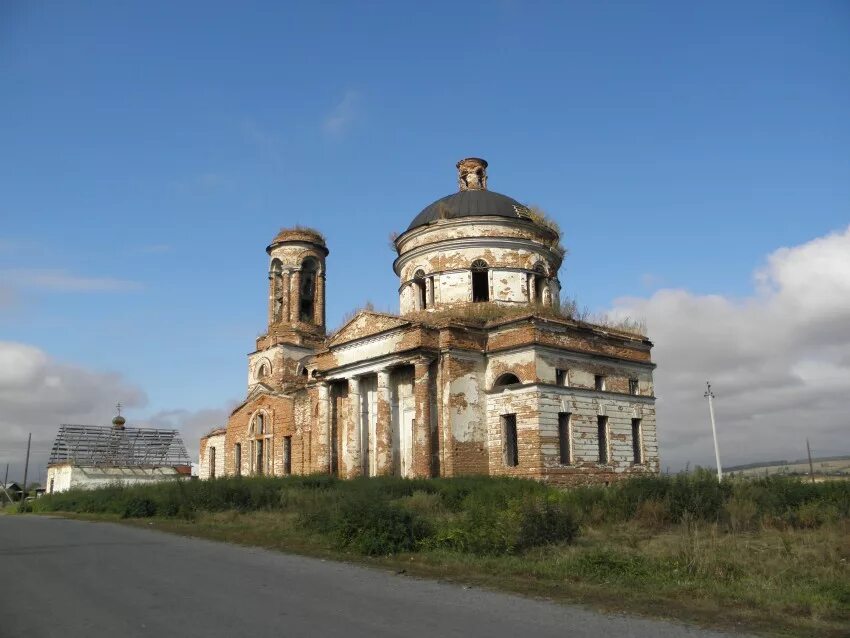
(508, 378)
(264, 370)
(277, 292)
(540, 282)
(259, 425)
(307, 294)
(421, 289)
(480, 281)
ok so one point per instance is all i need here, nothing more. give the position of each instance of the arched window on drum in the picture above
(480, 281)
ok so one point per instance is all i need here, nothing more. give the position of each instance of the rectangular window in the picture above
(258, 462)
(561, 377)
(602, 433)
(212, 462)
(637, 442)
(480, 286)
(599, 382)
(238, 460)
(634, 388)
(511, 451)
(565, 437)
(287, 455)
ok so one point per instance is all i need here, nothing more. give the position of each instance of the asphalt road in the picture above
(69, 578)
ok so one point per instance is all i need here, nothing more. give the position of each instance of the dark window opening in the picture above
(480, 281)
(539, 284)
(258, 464)
(287, 455)
(633, 386)
(509, 434)
(259, 426)
(561, 377)
(212, 462)
(238, 454)
(602, 433)
(277, 290)
(599, 382)
(637, 442)
(565, 438)
(307, 294)
(505, 379)
(421, 289)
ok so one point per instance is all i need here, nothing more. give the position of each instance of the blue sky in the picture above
(151, 150)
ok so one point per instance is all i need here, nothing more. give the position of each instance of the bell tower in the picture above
(297, 286)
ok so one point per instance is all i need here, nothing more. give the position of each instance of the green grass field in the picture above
(769, 556)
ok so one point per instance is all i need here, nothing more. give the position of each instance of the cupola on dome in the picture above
(472, 200)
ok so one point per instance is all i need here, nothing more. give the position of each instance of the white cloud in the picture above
(778, 360)
(343, 114)
(38, 393)
(63, 281)
(192, 424)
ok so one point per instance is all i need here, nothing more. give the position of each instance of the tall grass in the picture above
(475, 515)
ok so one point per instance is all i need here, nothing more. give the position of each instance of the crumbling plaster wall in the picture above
(216, 441)
(67, 477)
(537, 411)
(463, 427)
(585, 407)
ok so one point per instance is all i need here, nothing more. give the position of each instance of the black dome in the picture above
(468, 203)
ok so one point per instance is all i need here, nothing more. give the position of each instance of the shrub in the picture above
(525, 522)
(139, 507)
(370, 527)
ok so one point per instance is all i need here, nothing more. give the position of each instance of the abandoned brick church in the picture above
(479, 373)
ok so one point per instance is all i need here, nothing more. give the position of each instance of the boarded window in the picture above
(511, 451)
(599, 382)
(212, 462)
(565, 437)
(238, 460)
(561, 377)
(602, 433)
(480, 281)
(633, 386)
(287, 455)
(637, 442)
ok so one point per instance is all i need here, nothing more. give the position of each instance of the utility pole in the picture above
(26, 467)
(710, 395)
(811, 466)
(6, 478)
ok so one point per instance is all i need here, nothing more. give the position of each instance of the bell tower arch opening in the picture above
(297, 283)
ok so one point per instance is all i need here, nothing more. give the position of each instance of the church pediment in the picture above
(365, 324)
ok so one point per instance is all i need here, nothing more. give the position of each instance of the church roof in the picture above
(469, 203)
(92, 445)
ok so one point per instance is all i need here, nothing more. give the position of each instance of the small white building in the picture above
(90, 456)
